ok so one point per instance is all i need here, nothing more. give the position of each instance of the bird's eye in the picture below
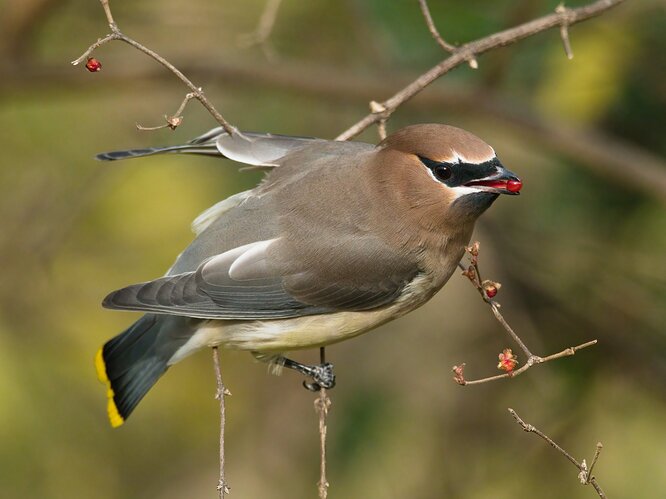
(442, 173)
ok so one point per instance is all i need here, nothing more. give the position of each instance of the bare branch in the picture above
(221, 392)
(487, 289)
(595, 150)
(475, 48)
(531, 362)
(322, 404)
(116, 34)
(473, 63)
(585, 474)
(597, 451)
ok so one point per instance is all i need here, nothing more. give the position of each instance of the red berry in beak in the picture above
(514, 185)
(93, 65)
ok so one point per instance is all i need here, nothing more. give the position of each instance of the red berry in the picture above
(514, 185)
(93, 65)
(491, 291)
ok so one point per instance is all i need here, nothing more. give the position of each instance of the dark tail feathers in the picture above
(132, 362)
(208, 150)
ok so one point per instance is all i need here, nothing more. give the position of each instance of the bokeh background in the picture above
(581, 253)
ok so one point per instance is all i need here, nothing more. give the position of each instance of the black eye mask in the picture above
(460, 174)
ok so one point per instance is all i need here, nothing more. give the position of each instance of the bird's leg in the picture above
(322, 374)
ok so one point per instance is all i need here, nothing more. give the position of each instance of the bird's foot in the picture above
(322, 374)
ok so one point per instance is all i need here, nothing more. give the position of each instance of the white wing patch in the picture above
(242, 263)
(259, 150)
(253, 263)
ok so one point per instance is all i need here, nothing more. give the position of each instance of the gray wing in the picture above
(265, 280)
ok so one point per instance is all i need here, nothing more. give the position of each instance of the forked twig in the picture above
(488, 289)
(564, 29)
(471, 60)
(197, 92)
(585, 473)
(473, 49)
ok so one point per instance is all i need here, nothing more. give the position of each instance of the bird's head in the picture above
(444, 168)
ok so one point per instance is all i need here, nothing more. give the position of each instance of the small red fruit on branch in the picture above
(507, 361)
(490, 288)
(93, 65)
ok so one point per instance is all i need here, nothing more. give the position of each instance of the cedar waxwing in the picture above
(338, 238)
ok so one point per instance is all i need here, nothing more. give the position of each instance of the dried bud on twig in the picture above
(459, 374)
(474, 248)
(470, 273)
(507, 360)
(174, 121)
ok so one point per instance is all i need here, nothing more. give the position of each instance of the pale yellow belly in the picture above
(281, 335)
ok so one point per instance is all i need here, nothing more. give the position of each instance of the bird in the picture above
(337, 239)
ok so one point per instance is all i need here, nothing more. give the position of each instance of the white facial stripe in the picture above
(464, 190)
(432, 175)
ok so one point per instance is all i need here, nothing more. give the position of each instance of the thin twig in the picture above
(473, 273)
(473, 49)
(261, 35)
(380, 110)
(597, 451)
(171, 121)
(599, 152)
(564, 29)
(116, 34)
(531, 362)
(584, 473)
(473, 63)
(322, 404)
(221, 392)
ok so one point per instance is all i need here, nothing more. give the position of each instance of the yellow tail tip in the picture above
(114, 415)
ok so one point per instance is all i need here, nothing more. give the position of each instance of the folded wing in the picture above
(259, 281)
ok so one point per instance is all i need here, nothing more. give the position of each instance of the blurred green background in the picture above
(581, 253)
